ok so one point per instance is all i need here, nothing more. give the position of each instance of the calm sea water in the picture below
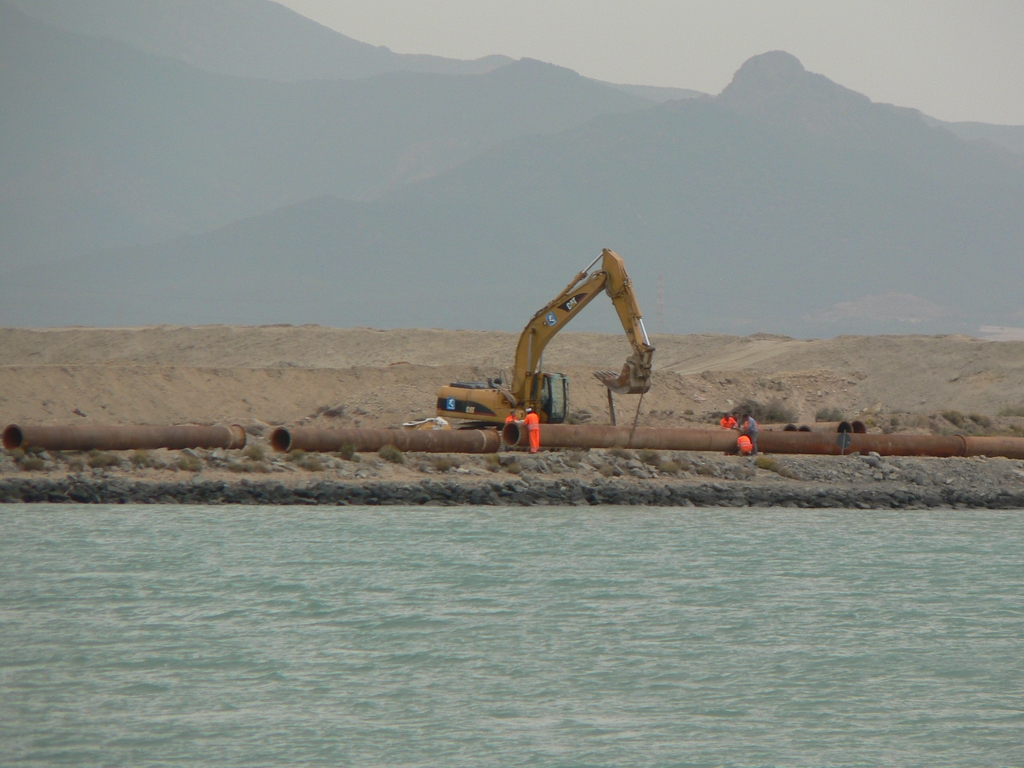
(442, 637)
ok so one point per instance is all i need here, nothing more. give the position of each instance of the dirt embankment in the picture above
(294, 375)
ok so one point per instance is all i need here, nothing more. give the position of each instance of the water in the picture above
(296, 636)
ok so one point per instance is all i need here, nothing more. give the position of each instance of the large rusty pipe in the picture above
(424, 440)
(596, 436)
(722, 440)
(103, 438)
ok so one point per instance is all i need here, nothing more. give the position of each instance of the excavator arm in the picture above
(611, 278)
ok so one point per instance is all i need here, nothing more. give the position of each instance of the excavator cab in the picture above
(554, 397)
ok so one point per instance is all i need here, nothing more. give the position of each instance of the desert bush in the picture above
(189, 463)
(894, 421)
(828, 414)
(688, 412)
(607, 470)
(1011, 411)
(254, 452)
(240, 466)
(32, 464)
(514, 467)
(99, 459)
(16, 454)
(141, 459)
(444, 463)
(76, 463)
(980, 420)
(954, 417)
(622, 453)
(296, 455)
(669, 467)
(492, 462)
(775, 411)
(770, 464)
(311, 463)
(648, 456)
(392, 454)
(348, 453)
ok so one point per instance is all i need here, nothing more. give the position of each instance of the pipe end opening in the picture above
(12, 437)
(281, 440)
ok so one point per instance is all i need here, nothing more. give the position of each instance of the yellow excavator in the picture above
(490, 402)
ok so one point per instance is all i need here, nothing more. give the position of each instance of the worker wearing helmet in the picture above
(532, 422)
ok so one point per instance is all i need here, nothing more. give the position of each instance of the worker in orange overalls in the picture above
(728, 421)
(532, 422)
(744, 444)
(511, 417)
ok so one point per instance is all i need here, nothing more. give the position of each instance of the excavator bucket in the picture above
(623, 383)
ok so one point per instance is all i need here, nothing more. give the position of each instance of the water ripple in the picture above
(263, 636)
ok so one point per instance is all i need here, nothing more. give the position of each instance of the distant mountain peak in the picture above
(775, 87)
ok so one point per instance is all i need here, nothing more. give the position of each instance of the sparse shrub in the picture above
(954, 417)
(514, 467)
(189, 463)
(669, 467)
(648, 456)
(770, 464)
(141, 459)
(239, 466)
(688, 412)
(297, 455)
(311, 463)
(392, 454)
(32, 464)
(444, 463)
(607, 470)
(16, 454)
(775, 411)
(254, 452)
(1011, 411)
(260, 467)
(622, 453)
(706, 470)
(980, 420)
(828, 414)
(76, 463)
(894, 421)
(492, 462)
(99, 459)
(347, 453)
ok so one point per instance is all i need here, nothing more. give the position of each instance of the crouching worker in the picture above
(532, 422)
(744, 445)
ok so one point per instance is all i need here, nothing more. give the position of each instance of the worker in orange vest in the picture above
(744, 444)
(728, 421)
(532, 422)
(511, 417)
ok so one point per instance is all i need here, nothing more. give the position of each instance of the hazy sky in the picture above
(952, 60)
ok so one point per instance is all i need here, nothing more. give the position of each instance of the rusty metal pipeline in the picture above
(424, 440)
(118, 438)
(597, 436)
(722, 440)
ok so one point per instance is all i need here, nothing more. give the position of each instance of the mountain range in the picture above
(140, 188)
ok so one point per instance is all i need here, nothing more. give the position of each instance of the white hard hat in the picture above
(529, 410)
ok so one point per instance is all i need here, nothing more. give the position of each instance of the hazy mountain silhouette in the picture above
(243, 38)
(104, 146)
(786, 204)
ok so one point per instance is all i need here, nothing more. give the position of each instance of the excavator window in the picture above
(555, 397)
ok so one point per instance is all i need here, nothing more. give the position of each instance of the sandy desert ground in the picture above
(292, 375)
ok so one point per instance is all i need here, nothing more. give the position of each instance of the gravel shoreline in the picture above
(519, 492)
(517, 479)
